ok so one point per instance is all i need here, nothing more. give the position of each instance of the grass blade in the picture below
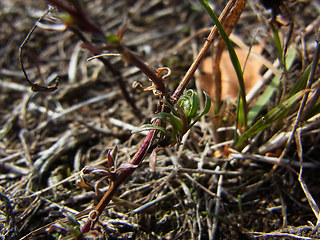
(268, 92)
(270, 117)
(234, 60)
(301, 82)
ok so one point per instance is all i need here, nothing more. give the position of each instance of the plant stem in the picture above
(133, 59)
(147, 145)
(115, 72)
(213, 34)
(124, 174)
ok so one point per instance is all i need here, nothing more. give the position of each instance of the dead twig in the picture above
(34, 86)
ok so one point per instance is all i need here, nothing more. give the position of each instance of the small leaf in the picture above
(195, 104)
(112, 156)
(190, 103)
(148, 127)
(173, 110)
(66, 18)
(185, 103)
(110, 160)
(167, 117)
(113, 39)
(206, 109)
(279, 50)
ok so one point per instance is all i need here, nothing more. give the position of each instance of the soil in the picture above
(191, 190)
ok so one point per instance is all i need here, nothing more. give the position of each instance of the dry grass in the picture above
(185, 192)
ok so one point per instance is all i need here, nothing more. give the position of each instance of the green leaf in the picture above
(66, 17)
(190, 103)
(185, 103)
(195, 104)
(314, 111)
(240, 118)
(206, 109)
(263, 99)
(167, 117)
(173, 110)
(148, 127)
(301, 82)
(113, 38)
(279, 49)
(271, 88)
(234, 59)
(291, 56)
(270, 117)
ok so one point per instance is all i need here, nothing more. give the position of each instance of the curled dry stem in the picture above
(34, 86)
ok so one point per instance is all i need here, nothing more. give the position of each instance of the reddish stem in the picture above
(147, 143)
(123, 175)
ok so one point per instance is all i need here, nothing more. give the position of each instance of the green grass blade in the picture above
(270, 117)
(314, 111)
(263, 99)
(271, 88)
(279, 49)
(301, 82)
(234, 60)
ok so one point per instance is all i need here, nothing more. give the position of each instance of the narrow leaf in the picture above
(279, 49)
(301, 82)
(167, 117)
(271, 88)
(233, 57)
(148, 127)
(270, 117)
(206, 109)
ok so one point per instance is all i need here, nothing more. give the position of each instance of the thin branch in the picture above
(115, 72)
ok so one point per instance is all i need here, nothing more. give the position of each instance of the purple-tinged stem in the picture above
(123, 175)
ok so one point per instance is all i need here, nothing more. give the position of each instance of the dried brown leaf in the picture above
(229, 81)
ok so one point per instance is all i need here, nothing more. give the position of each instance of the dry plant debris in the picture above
(180, 192)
